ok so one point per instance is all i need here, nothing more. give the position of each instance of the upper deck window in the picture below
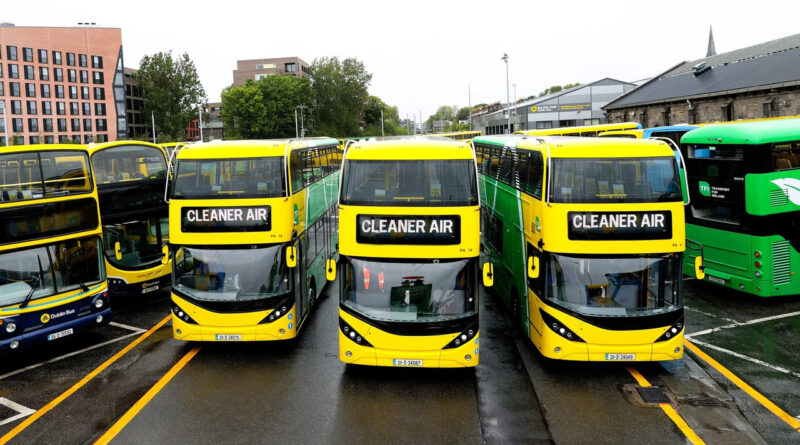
(786, 155)
(430, 183)
(603, 180)
(229, 178)
(47, 174)
(128, 163)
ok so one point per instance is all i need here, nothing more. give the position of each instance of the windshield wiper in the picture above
(83, 286)
(38, 282)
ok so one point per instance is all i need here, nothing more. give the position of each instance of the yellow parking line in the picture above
(783, 415)
(671, 412)
(117, 427)
(42, 411)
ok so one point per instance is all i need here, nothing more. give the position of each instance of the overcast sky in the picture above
(423, 54)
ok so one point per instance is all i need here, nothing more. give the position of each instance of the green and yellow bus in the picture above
(582, 131)
(252, 225)
(744, 181)
(130, 178)
(461, 135)
(409, 250)
(52, 275)
(586, 236)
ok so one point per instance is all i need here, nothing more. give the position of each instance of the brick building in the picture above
(259, 68)
(758, 81)
(61, 85)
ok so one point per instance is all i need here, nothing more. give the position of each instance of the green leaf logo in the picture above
(791, 187)
(705, 189)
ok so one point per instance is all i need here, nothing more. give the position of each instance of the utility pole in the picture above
(382, 123)
(5, 122)
(469, 104)
(508, 97)
(302, 126)
(296, 134)
(200, 120)
(407, 123)
(153, 119)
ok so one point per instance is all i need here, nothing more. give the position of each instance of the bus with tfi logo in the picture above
(409, 248)
(586, 236)
(744, 181)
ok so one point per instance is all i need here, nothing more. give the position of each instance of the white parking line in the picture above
(746, 323)
(67, 355)
(744, 357)
(708, 314)
(130, 328)
(23, 411)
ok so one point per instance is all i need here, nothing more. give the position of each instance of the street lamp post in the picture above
(508, 95)
(153, 120)
(5, 122)
(302, 126)
(200, 120)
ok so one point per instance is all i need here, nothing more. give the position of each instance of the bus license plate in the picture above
(403, 362)
(714, 279)
(150, 289)
(229, 337)
(60, 334)
(621, 357)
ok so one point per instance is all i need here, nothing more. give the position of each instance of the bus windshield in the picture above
(231, 275)
(140, 242)
(614, 286)
(619, 180)
(49, 270)
(125, 163)
(230, 178)
(44, 174)
(409, 292)
(430, 183)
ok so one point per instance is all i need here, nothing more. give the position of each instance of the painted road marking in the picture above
(745, 357)
(141, 403)
(708, 314)
(794, 423)
(669, 410)
(55, 359)
(130, 328)
(27, 422)
(22, 410)
(746, 323)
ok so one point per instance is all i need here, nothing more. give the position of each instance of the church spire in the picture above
(711, 50)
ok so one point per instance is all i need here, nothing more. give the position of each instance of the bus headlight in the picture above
(14, 344)
(351, 333)
(559, 328)
(464, 337)
(673, 330)
(180, 313)
(98, 303)
(280, 310)
(11, 327)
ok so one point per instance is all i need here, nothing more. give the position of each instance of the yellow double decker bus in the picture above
(461, 135)
(130, 178)
(409, 248)
(252, 224)
(582, 131)
(52, 275)
(587, 237)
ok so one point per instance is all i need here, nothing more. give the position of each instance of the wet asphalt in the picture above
(301, 393)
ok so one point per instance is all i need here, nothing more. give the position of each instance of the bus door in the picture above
(300, 293)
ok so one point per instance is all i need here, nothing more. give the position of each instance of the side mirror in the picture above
(117, 251)
(699, 268)
(164, 254)
(488, 275)
(291, 256)
(533, 267)
(330, 269)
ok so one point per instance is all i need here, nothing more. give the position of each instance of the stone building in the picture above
(755, 82)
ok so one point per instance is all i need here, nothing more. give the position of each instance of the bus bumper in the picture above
(284, 328)
(43, 336)
(466, 355)
(558, 348)
(119, 288)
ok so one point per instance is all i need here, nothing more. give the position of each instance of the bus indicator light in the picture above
(757, 254)
(758, 263)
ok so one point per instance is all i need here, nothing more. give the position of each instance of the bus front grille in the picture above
(781, 262)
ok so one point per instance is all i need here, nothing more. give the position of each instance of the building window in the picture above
(47, 125)
(33, 139)
(62, 125)
(692, 115)
(46, 107)
(31, 107)
(727, 111)
(291, 68)
(82, 60)
(76, 124)
(11, 52)
(44, 73)
(1, 70)
(16, 107)
(73, 92)
(643, 118)
(101, 124)
(2, 89)
(87, 138)
(61, 108)
(591, 122)
(27, 54)
(71, 76)
(42, 56)
(544, 124)
(97, 62)
(87, 125)
(30, 72)
(58, 73)
(62, 138)
(59, 91)
(85, 93)
(100, 110)
(33, 125)
(99, 93)
(14, 88)
(665, 116)
(71, 59)
(30, 90)
(48, 139)
(13, 71)
(84, 76)
(45, 90)
(98, 77)
(74, 109)
(87, 109)
(16, 125)
(770, 108)
(56, 57)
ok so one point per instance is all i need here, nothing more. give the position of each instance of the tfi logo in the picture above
(791, 187)
(705, 189)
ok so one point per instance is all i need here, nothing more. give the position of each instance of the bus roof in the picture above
(409, 148)
(42, 147)
(747, 133)
(582, 129)
(577, 147)
(250, 148)
(95, 147)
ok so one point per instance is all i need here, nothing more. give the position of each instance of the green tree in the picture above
(463, 114)
(172, 92)
(340, 93)
(372, 119)
(557, 88)
(445, 111)
(264, 108)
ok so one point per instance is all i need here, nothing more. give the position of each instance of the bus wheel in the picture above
(515, 309)
(312, 293)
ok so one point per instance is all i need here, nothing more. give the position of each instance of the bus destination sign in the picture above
(405, 229)
(603, 226)
(226, 219)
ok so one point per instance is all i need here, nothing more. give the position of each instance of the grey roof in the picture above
(769, 64)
